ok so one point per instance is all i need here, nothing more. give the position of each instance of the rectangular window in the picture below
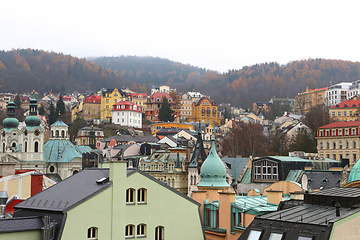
(340, 132)
(339, 114)
(354, 157)
(334, 145)
(353, 132)
(333, 114)
(334, 156)
(346, 132)
(354, 145)
(345, 114)
(254, 235)
(275, 236)
(334, 132)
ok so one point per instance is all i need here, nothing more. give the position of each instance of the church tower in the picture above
(197, 158)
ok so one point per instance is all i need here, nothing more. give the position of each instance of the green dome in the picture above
(213, 171)
(354, 173)
(10, 123)
(32, 121)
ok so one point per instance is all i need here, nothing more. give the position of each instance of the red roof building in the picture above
(126, 113)
(153, 105)
(91, 108)
(339, 141)
(345, 111)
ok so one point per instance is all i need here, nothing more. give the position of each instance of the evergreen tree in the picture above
(52, 115)
(17, 102)
(60, 106)
(41, 110)
(165, 112)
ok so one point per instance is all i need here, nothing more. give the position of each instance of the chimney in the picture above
(3, 199)
(274, 196)
(337, 207)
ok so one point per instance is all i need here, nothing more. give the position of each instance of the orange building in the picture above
(205, 110)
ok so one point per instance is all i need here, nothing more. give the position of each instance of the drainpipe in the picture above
(3, 199)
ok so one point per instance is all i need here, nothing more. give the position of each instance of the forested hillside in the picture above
(26, 69)
(241, 87)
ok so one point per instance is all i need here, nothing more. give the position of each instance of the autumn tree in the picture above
(279, 143)
(165, 112)
(277, 110)
(317, 116)
(78, 123)
(245, 139)
(176, 97)
(305, 142)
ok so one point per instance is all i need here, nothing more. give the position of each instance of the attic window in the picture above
(337, 105)
(310, 180)
(325, 181)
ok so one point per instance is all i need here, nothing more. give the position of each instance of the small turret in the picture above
(10, 122)
(33, 120)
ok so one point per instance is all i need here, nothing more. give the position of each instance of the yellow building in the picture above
(205, 110)
(108, 99)
(345, 111)
(339, 140)
(139, 99)
(158, 126)
(310, 98)
(186, 103)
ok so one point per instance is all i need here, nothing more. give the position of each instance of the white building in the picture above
(354, 89)
(337, 93)
(126, 113)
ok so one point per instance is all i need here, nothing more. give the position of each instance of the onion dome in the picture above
(11, 122)
(354, 173)
(33, 120)
(213, 171)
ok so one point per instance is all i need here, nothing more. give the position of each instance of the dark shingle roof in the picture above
(21, 224)
(69, 193)
(324, 180)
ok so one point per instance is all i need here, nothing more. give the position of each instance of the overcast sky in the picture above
(216, 35)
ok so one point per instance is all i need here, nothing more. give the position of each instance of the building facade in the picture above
(310, 98)
(347, 110)
(126, 113)
(205, 110)
(139, 99)
(153, 105)
(92, 108)
(339, 140)
(337, 93)
(108, 98)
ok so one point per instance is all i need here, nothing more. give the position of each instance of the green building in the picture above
(112, 203)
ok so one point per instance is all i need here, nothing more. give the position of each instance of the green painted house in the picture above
(114, 203)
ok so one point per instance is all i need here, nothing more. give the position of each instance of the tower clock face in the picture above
(37, 132)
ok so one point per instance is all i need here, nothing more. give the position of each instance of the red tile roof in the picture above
(10, 206)
(124, 103)
(341, 124)
(319, 89)
(348, 104)
(93, 99)
(160, 95)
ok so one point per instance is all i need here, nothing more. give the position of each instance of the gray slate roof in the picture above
(324, 180)
(21, 224)
(235, 165)
(69, 193)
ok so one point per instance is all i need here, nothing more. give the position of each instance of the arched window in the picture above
(3, 147)
(52, 134)
(173, 183)
(194, 179)
(92, 233)
(191, 180)
(36, 147)
(62, 133)
(13, 145)
(141, 230)
(129, 230)
(159, 233)
(25, 147)
(57, 133)
(130, 196)
(141, 195)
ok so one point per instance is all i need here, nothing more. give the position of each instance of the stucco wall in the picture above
(26, 235)
(347, 228)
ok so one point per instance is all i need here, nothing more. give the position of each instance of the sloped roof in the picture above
(21, 224)
(294, 175)
(341, 124)
(247, 177)
(323, 179)
(69, 192)
(59, 123)
(235, 165)
(347, 104)
(60, 150)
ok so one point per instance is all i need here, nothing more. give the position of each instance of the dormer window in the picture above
(122, 106)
